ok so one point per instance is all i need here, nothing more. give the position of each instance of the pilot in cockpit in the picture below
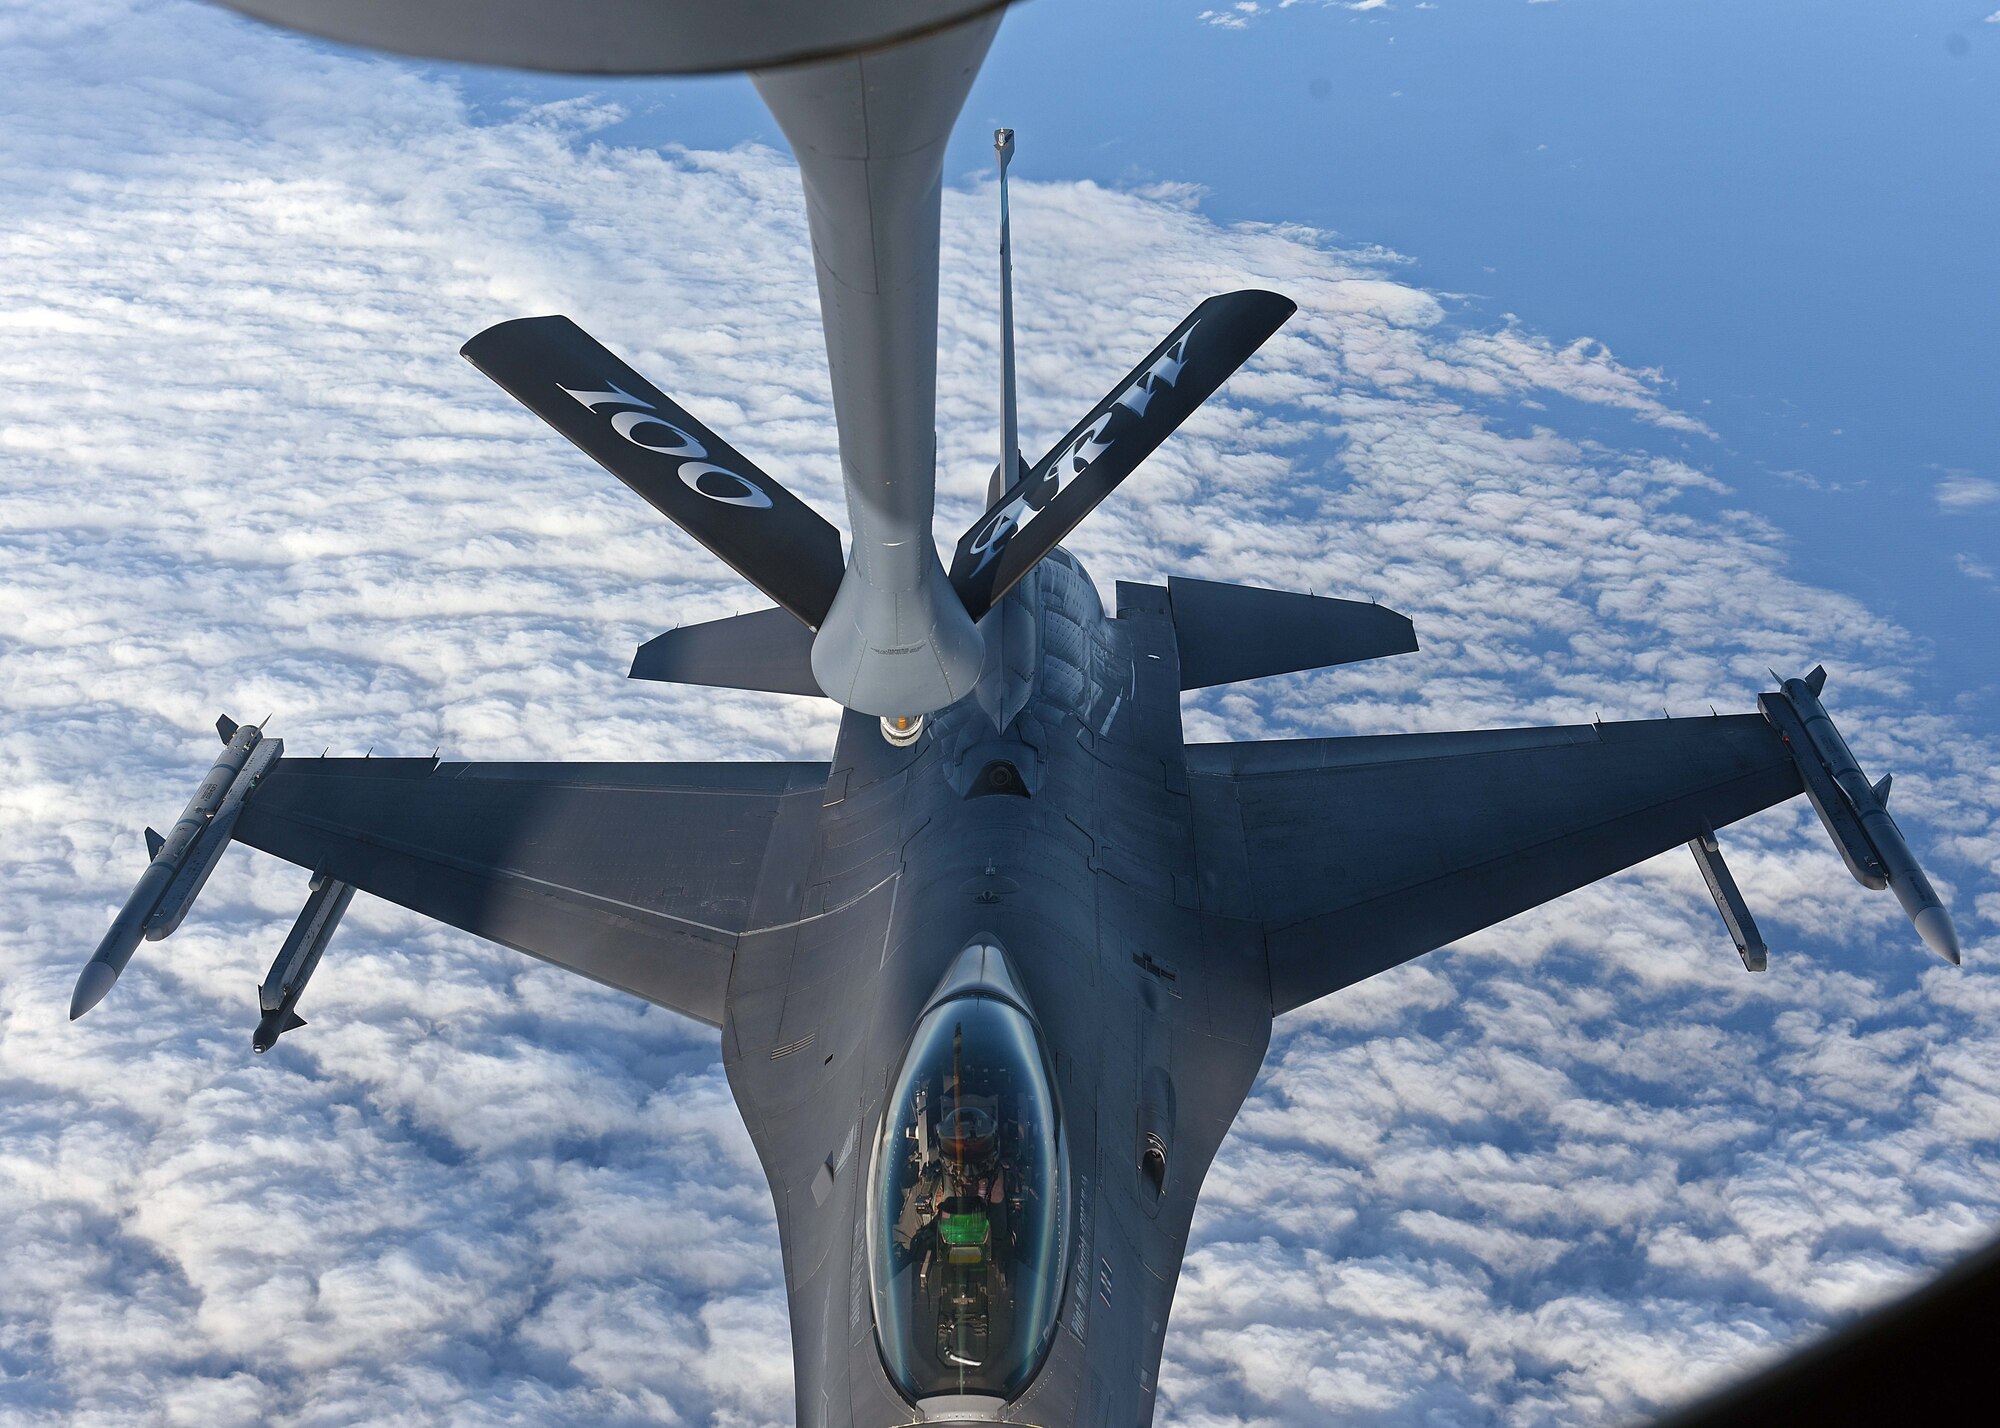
(966, 1204)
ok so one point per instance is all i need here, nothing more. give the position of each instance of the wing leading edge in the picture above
(1357, 854)
(641, 876)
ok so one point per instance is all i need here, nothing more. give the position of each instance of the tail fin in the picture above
(685, 471)
(1138, 414)
(1227, 633)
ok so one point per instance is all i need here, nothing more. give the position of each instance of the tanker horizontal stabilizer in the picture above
(1227, 633)
(766, 649)
(685, 471)
(1105, 447)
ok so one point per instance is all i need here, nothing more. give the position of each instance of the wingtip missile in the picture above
(1853, 811)
(96, 979)
(1934, 926)
(180, 862)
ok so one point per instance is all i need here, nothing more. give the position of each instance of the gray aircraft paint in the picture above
(1157, 904)
(869, 133)
(618, 36)
(1093, 900)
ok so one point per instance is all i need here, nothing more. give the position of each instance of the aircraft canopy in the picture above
(966, 1205)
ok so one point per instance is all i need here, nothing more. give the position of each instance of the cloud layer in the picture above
(1577, 1168)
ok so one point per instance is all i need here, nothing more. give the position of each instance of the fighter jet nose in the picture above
(96, 980)
(1934, 926)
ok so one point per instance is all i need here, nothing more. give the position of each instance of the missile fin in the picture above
(1816, 681)
(154, 842)
(226, 727)
(1882, 786)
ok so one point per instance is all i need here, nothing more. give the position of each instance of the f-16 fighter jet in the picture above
(993, 980)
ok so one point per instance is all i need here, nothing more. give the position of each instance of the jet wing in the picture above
(640, 876)
(1357, 854)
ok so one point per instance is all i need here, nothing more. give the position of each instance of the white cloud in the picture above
(1239, 15)
(1960, 491)
(1236, 17)
(1569, 1171)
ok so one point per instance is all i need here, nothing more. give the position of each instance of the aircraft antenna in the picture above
(1010, 439)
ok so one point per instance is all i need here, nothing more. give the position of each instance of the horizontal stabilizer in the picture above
(685, 471)
(766, 649)
(1032, 517)
(1232, 632)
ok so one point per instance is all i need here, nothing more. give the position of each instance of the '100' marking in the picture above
(694, 462)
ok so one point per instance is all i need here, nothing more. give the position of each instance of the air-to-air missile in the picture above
(278, 997)
(182, 861)
(1854, 811)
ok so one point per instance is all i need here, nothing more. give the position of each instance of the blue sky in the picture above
(1785, 207)
(1570, 1171)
